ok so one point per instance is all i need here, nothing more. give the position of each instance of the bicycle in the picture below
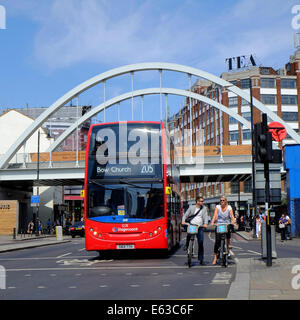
(193, 231)
(223, 252)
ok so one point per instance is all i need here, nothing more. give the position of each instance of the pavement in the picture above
(253, 281)
(7, 243)
(256, 281)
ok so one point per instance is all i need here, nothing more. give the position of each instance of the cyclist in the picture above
(199, 216)
(223, 214)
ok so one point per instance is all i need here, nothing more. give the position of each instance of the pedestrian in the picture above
(258, 226)
(223, 214)
(39, 226)
(49, 224)
(197, 215)
(30, 227)
(288, 227)
(282, 227)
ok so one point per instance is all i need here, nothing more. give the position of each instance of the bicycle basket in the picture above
(192, 229)
(222, 228)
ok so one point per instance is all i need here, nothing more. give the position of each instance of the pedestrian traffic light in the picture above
(263, 141)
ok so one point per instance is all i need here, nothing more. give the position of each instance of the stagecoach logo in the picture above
(114, 229)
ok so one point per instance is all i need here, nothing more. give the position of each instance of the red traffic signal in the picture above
(278, 131)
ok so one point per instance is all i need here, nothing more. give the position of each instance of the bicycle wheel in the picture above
(225, 255)
(190, 252)
(220, 256)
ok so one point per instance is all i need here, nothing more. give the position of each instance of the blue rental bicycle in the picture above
(193, 231)
(221, 230)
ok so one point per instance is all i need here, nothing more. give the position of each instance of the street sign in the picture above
(82, 193)
(278, 131)
(35, 201)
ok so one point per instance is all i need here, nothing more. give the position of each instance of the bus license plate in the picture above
(125, 246)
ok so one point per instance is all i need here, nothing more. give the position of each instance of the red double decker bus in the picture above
(132, 198)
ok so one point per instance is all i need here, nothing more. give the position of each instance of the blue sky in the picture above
(51, 46)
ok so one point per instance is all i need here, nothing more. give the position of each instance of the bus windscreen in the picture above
(125, 202)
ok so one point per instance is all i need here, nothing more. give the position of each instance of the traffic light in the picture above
(263, 141)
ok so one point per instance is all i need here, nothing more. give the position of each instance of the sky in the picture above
(51, 46)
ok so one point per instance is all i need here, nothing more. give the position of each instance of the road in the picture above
(67, 271)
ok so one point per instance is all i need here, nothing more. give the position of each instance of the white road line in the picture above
(110, 268)
(166, 285)
(81, 249)
(254, 252)
(64, 255)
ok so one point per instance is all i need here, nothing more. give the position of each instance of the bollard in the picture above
(14, 233)
(59, 234)
(264, 240)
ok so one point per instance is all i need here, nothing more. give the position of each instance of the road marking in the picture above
(254, 252)
(81, 249)
(166, 285)
(64, 255)
(221, 278)
(41, 287)
(72, 287)
(103, 286)
(109, 268)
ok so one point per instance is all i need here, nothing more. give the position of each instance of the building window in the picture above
(246, 134)
(245, 102)
(248, 186)
(267, 83)
(290, 116)
(247, 115)
(234, 135)
(287, 99)
(235, 187)
(268, 98)
(233, 101)
(245, 83)
(232, 120)
(264, 70)
(288, 83)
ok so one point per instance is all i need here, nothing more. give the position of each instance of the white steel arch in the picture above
(144, 92)
(129, 69)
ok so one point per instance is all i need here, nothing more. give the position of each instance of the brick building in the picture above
(279, 90)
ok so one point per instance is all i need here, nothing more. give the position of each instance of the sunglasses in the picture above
(222, 200)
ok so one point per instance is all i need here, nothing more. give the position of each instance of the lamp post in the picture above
(254, 204)
(38, 182)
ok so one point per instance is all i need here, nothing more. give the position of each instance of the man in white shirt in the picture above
(200, 219)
